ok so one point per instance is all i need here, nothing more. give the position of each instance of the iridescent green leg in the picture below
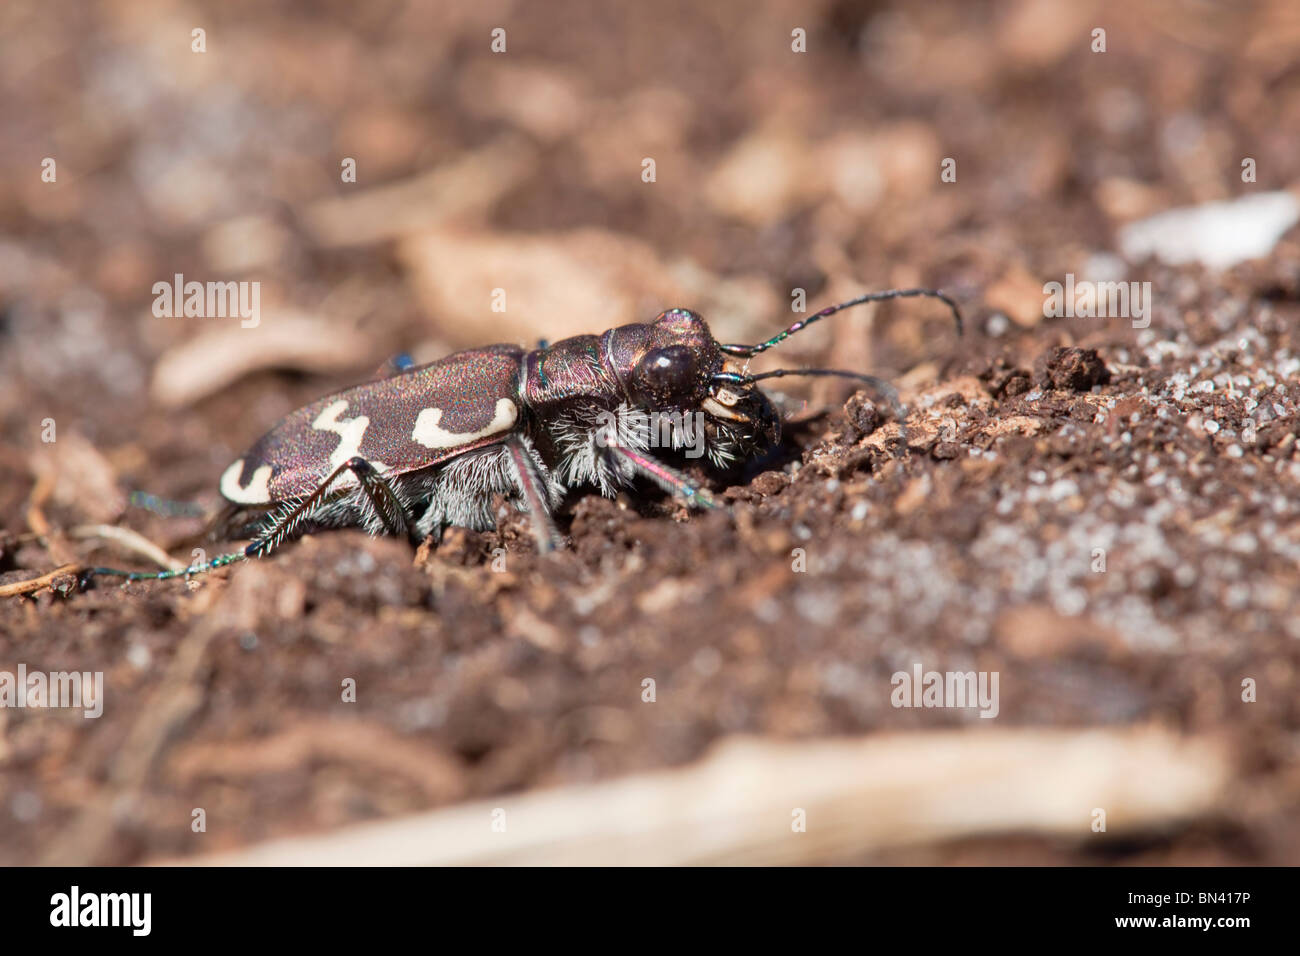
(282, 526)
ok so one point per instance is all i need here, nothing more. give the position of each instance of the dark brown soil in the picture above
(1105, 515)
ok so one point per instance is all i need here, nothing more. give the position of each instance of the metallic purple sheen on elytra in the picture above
(466, 386)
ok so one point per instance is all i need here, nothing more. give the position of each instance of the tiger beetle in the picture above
(423, 448)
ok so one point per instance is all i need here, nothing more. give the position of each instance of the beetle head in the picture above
(674, 364)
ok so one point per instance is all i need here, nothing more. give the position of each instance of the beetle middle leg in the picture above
(462, 491)
(534, 490)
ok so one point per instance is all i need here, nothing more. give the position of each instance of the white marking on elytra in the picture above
(431, 435)
(256, 492)
(350, 431)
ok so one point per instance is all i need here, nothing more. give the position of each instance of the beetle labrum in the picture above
(424, 448)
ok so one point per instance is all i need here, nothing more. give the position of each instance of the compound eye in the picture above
(670, 371)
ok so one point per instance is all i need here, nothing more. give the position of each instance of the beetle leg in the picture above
(166, 507)
(666, 477)
(218, 562)
(382, 497)
(399, 363)
(533, 488)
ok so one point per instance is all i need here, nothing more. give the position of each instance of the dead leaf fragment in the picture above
(210, 361)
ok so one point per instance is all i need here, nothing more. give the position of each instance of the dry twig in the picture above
(737, 805)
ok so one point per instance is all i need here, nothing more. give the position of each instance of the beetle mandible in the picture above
(424, 448)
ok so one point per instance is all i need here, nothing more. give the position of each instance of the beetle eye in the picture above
(669, 372)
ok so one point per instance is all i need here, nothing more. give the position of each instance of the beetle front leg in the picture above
(665, 476)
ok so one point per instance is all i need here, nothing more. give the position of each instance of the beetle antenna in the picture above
(882, 388)
(749, 350)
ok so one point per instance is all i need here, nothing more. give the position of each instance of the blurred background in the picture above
(228, 155)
